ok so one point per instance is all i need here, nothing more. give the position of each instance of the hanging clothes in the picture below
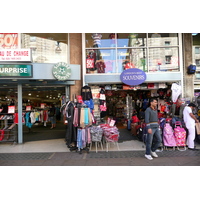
(86, 93)
(71, 135)
(176, 91)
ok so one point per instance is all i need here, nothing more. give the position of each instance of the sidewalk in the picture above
(56, 153)
(58, 145)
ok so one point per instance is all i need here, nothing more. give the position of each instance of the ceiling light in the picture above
(58, 49)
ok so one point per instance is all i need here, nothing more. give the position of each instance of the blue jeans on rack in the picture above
(153, 140)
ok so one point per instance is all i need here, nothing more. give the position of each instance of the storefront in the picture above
(106, 56)
(34, 74)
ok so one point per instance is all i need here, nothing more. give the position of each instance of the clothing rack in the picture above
(79, 118)
(8, 129)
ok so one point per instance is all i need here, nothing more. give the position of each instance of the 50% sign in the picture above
(9, 40)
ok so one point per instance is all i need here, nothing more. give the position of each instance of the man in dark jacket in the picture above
(153, 129)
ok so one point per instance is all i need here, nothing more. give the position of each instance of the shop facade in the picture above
(35, 73)
(107, 55)
(97, 60)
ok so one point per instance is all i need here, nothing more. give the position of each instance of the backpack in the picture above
(191, 69)
(168, 136)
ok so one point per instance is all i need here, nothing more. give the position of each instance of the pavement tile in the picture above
(186, 161)
(53, 162)
(99, 162)
(118, 162)
(74, 162)
(23, 163)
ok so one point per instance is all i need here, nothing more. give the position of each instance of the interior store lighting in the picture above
(58, 49)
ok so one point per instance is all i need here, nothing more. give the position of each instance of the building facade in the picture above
(95, 59)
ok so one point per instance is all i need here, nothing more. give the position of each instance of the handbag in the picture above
(197, 128)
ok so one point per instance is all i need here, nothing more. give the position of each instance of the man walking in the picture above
(153, 129)
(190, 119)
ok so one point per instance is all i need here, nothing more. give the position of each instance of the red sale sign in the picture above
(9, 40)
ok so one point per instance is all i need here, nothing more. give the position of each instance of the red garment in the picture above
(1, 134)
(100, 67)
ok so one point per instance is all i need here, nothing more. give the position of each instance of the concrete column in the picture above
(188, 78)
(75, 40)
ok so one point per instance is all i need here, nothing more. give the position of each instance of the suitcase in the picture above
(168, 136)
(180, 136)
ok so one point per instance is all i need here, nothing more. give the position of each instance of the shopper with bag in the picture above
(153, 129)
(190, 119)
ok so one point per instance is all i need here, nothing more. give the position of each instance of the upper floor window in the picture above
(47, 47)
(115, 52)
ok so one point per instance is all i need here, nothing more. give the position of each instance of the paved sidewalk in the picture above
(56, 153)
(112, 158)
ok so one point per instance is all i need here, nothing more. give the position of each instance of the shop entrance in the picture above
(38, 99)
(123, 102)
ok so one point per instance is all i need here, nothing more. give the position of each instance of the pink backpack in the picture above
(168, 136)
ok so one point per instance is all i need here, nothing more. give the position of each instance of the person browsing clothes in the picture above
(153, 129)
(190, 119)
(176, 111)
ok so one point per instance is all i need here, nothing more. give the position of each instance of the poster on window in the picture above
(9, 40)
(89, 63)
(11, 109)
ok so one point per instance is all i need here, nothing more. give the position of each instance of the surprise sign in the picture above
(133, 76)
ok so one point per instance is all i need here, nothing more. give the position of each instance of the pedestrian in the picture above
(176, 111)
(153, 129)
(52, 116)
(190, 119)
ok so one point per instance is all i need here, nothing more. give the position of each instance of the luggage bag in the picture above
(180, 136)
(168, 137)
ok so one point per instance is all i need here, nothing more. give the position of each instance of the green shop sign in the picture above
(61, 71)
(16, 71)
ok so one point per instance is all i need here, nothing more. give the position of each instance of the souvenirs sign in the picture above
(133, 76)
(61, 71)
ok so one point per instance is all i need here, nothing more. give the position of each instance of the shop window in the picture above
(100, 40)
(161, 59)
(119, 51)
(160, 39)
(47, 47)
(131, 58)
(131, 39)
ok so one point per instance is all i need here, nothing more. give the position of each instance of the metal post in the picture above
(20, 131)
(67, 92)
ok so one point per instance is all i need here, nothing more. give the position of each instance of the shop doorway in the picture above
(38, 98)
